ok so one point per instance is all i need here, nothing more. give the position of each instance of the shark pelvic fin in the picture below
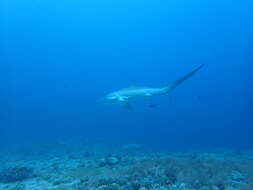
(128, 106)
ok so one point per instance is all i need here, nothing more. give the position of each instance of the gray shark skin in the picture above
(126, 95)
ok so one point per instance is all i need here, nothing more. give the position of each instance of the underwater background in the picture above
(59, 58)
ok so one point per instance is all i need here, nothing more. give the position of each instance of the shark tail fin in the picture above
(182, 79)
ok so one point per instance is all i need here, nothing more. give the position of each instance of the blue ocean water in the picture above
(58, 58)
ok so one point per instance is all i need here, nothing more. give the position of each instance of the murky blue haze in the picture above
(58, 58)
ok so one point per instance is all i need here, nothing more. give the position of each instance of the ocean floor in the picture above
(101, 166)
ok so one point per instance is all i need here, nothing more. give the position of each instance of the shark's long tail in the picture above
(182, 79)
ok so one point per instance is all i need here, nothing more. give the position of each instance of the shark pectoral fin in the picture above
(148, 94)
(122, 98)
(128, 106)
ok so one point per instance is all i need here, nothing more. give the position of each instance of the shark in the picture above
(126, 95)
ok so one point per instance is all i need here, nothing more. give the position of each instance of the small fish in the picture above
(152, 106)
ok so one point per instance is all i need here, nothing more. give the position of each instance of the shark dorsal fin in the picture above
(133, 84)
(133, 87)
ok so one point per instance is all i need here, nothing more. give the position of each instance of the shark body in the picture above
(126, 95)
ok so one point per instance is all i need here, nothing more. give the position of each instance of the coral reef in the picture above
(97, 169)
(15, 174)
(109, 161)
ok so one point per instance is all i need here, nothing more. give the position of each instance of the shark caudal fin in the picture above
(182, 79)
